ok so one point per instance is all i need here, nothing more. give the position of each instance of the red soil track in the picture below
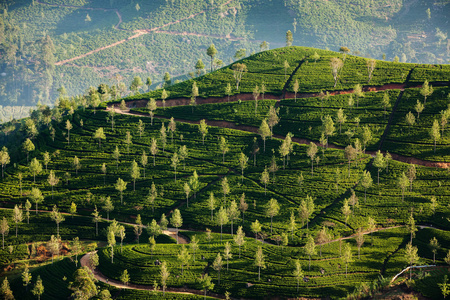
(253, 129)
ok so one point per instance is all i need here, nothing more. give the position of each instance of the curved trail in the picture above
(138, 32)
(84, 261)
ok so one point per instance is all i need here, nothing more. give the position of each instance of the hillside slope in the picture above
(227, 165)
(95, 41)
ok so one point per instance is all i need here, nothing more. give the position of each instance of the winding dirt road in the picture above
(84, 261)
(254, 129)
(139, 32)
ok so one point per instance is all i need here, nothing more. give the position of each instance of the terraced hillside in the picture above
(228, 173)
(47, 44)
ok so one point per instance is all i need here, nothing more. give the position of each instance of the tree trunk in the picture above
(221, 232)
(259, 273)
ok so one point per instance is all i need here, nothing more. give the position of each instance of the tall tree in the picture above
(84, 286)
(228, 91)
(434, 246)
(371, 64)
(26, 277)
(38, 289)
(205, 283)
(151, 106)
(120, 186)
(419, 108)
(57, 217)
(76, 164)
(239, 239)
(336, 65)
(366, 182)
(217, 265)
(211, 203)
(36, 196)
(68, 128)
(135, 173)
(346, 211)
(341, 118)
(243, 159)
(272, 210)
(260, 261)
(359, 240)
(272, 118)
(5, 159)
(227, 252)
(116, 155)
(176, 220)
(154, 150)
(222, 219)
(164, 273)
(256, 228)
(203, 128)
(17, 216)
(211, 52)
(194, 245)
(174, 163)
(410, 120)
(311, 153)
(380, 163)
(233, 214)
(128, 141)
(411, 256)
(411, 226)
(295, 88)
(265, 179)
(310, 248)
(358, 92)
(225, 188)
(298, 272)
(238, 72)
(172, 127)
(96, 218)
(35, 168)
(223, 146)
(347, 256)
(53, 180)
(108, 207)
(426, 91)
(200, 67)
(28, 147)
(435, 134)
(164, 96)
(322, 238)
(264, 131)
(4, 230)
(183, 257)
(243, 206)
(289, 38)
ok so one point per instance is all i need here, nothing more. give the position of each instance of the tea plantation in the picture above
(344, 215)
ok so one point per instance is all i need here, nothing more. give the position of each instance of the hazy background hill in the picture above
(44, 43)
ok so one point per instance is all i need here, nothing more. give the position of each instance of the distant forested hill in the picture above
(46, 44)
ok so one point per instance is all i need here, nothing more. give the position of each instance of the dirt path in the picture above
(301, 141)
(84, 261)
(138, 32)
